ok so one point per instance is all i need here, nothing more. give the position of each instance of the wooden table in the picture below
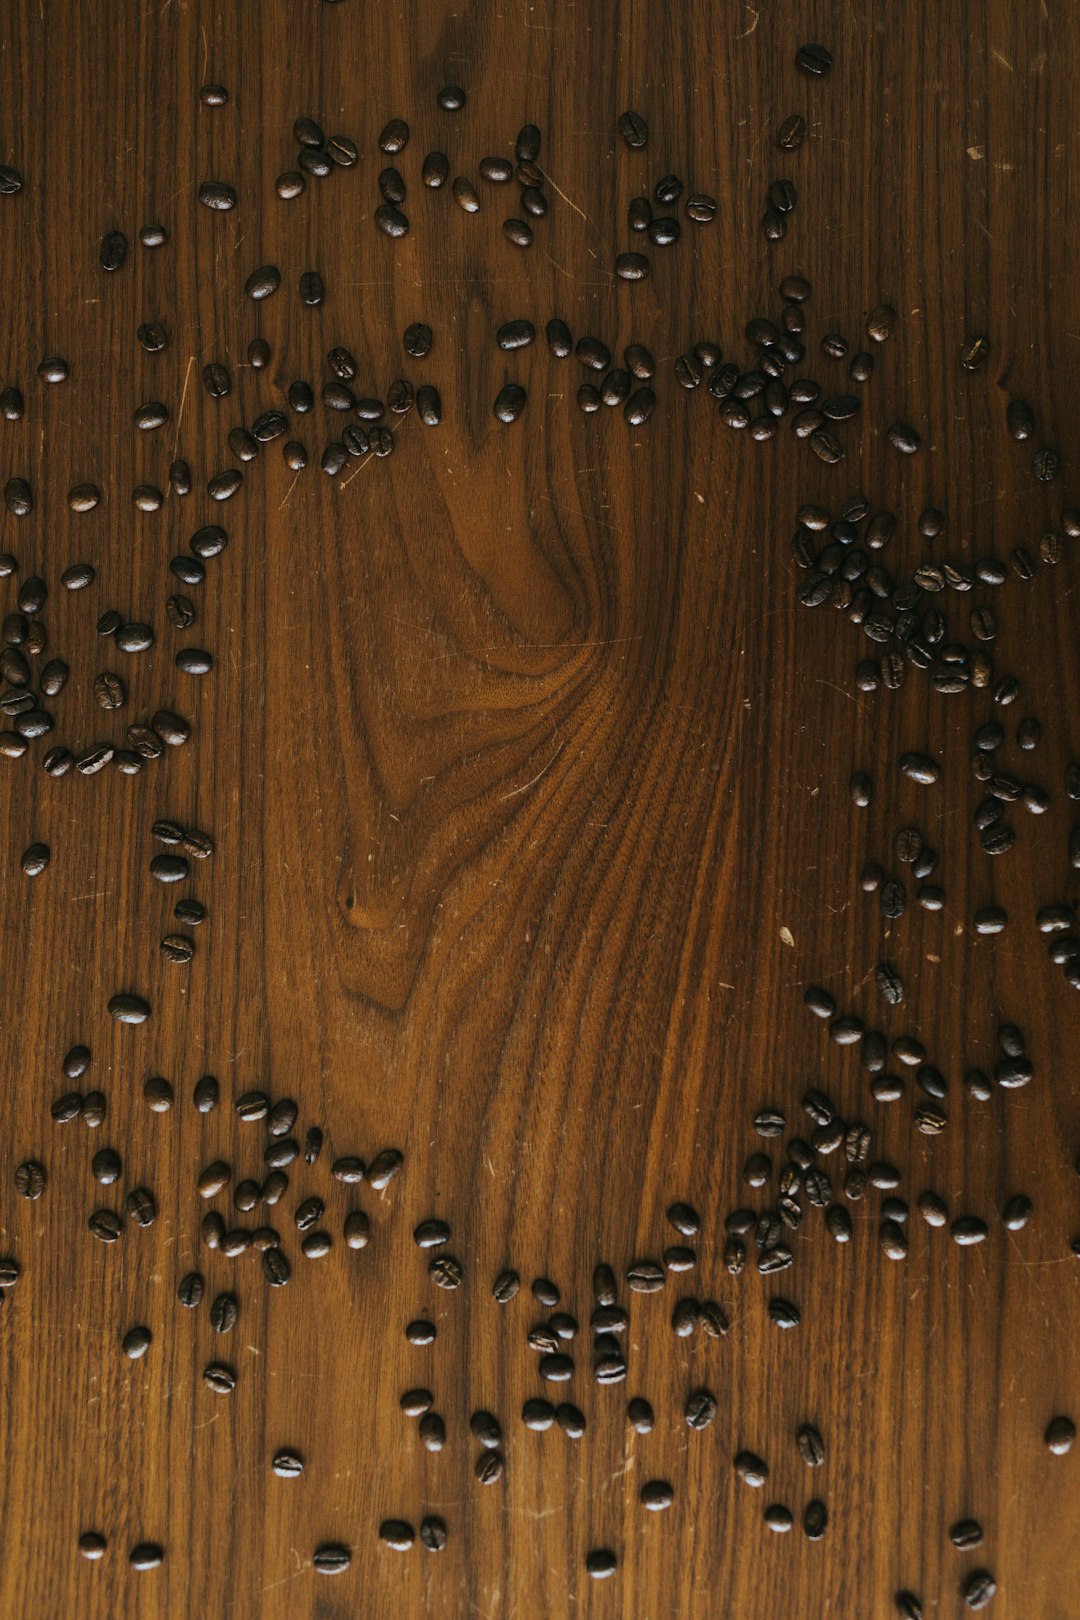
(527, 775)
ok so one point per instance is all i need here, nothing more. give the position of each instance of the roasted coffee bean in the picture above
(664, 232)
(287, 1463)
(141, 1206)
(790, 136)
(811, 1446)
(631, 266)
(600, 1563)
(146, 1555)
(391, 221)
(1059, 1435)
(391, 186)
(814, 59)
(217, 195)
(968, 1229)
(645, 1276)
(700, 1409)
(814, 1520)
(445, 1271)
(276, 1268)
(634, 130)
(93, 1109)
(778, 1518)
(331, 1558)
(128, 1008)
(224, 1313)
(489, 1467)
(639, 214)
(979, 1589)
(105, 1225)
(1020, 419)
(903, 437)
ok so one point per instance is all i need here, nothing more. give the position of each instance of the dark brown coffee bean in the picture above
(814, 59)
(105, 1225)
(903, 437)
(489, 1467)
(288, 1463)
(965, 1534)
(206, 1094)
(792, 133)
(814, 1520)
(634, 130)
(510, 402)
(933, 1209)
(778, 1518)
(276, 1268)
(700, 1409)
(784, 1314)
(601, 1563)
(631, 266)
(445, 1271)
(433, 1532)
(391, 221)
(497, 170)
(217, 195)
(394, 136)
(146, 1555)
(224, 1313)
(357, 1229)
(1059, 1435)
(979, 1589)
(128, 1008)
(331, 1558)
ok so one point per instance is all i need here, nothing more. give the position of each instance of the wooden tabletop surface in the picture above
(527, 774)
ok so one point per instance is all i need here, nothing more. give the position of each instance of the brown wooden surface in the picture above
(528, 777)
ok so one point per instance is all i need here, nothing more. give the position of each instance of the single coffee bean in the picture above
(700, 1409)
(510, 402)
(146, 1555)
(331, 1558)
(1059, 1435)
(978, 1589)
(811, 1446)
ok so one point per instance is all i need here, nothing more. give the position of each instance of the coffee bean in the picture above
(128, 1008)
(391, 221)
(811, 1446)
(791, 134)
(814, 59)
(701, 208)
(445, 1271)
(814, 1520)
(383, 1168)
(634, 130)
(920, 768)
(357, 1230)
(700, 1409)
(908, 1606)
(631, 266)
(105, 1225)
(601, 1563)
(136, 1342)
(978, 1589)
(1059, 1435)
(965, 1534)
(778, 1518)
(276, 1268)
(489, 1467)
(510, 402)
(903, 437)
(146, 1555)
(331, 1558)
(497, 170)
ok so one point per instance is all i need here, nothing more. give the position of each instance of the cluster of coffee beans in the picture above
(904, 617)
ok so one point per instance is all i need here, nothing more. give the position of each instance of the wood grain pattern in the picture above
(528, 779)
